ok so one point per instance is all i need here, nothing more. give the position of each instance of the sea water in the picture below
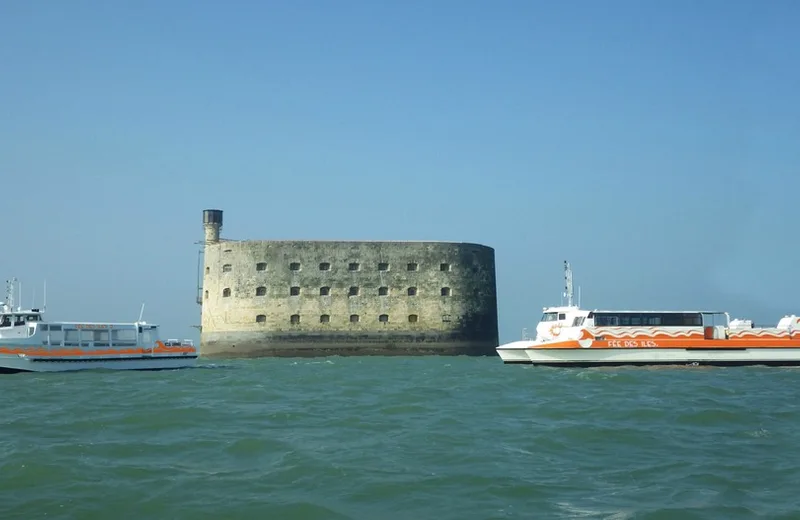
(401, 438)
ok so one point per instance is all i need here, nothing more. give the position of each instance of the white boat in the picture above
(571, 336)
(28, 343)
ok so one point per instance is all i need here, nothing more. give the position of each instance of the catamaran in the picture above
(28, 343)
(571, 336)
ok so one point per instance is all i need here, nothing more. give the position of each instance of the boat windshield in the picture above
(549, 316)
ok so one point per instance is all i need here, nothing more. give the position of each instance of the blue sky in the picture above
(655, 146)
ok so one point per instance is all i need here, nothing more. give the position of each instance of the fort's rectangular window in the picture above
(325, 318)
(353, 291)
(325, 266)
(383, 318)
(261, 266)
(354, 318)
(294, 266)
(445, 291)
(444, 267)
(412, 318)
(324, 291)
(261, 291)
(412, 266)
(412, 291)
(226, 292)
(261, 318)
(227, 268)
(383, 266)
(354, 266)
(383, 291)
(227, 251)
(446, 318)
(294, 319)
(294, 291)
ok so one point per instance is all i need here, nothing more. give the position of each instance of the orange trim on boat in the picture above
(159, 348)
(650, 342)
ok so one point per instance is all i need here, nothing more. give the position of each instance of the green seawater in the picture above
(401, 438)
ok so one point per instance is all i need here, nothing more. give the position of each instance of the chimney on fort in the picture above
(212, 223)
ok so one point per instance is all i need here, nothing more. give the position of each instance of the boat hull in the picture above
(781, 356)
(20, 363)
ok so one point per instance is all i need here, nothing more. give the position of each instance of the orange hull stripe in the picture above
(683, 343)
(77, 352)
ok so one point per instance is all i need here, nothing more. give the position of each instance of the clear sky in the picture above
(654, 145)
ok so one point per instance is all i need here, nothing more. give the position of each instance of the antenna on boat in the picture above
(568, 283)
(19, 289)
(10, 294)
(44, 305)
(141, 313)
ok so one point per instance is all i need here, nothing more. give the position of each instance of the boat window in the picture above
(601, 320)
(56, 335)
(549, 316)
(18, 320)
(123, 337)
(6, 321)
(32, 317)
(650, 319)
(100, 338)
(578, 321)
(71, 338)
(562, 316)
(87, 336)
(147, 337)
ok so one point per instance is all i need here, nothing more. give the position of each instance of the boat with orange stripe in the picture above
(571, 336)
(28, 343)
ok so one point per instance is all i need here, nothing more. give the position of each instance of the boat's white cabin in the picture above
(21, 323)
(554, 319)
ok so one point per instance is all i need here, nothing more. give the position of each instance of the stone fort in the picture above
(311, 298)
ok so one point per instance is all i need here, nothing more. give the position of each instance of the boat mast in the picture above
(9, 305)
(568, 283)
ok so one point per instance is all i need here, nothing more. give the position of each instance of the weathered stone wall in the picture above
(249, 308)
